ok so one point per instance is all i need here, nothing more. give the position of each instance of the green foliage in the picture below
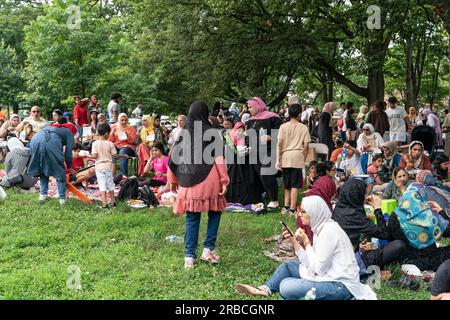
(10, 78)
(123, 254)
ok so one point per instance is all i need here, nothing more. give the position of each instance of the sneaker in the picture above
(43, 198)
(284, 210)
(209, 256)
(62, 201)
(189, 263)
(273, 205)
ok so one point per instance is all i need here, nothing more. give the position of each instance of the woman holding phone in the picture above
(329, 265)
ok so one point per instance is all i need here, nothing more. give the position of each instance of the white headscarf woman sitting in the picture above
(329, 265)
(369, 141)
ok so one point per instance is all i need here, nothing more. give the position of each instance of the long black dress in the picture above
(245, 187)
(325, 132)
(268, 182)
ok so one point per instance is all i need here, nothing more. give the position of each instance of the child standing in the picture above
(104, 152)
(293, 144)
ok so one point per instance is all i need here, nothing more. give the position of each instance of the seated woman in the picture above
(350, 214)
(329, 265)
(148, 139)
(369, 144)
(398, 185)
(391, 157)
(124, 138)
(159, 163)
(8, 129)
(416, 159)
(440, 167)
(419, 225)
(440, 287)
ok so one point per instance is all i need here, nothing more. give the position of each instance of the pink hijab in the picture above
(262, 112)
(234, 137)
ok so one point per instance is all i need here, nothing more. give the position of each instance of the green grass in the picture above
(123, 254)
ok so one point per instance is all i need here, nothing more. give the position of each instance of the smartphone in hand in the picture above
(287, 228)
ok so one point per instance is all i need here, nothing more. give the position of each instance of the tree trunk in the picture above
(409, 72)
(15, 108)
(375, 85)
(330, 84)
(448, 31)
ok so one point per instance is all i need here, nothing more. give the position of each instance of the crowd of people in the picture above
(379, 195)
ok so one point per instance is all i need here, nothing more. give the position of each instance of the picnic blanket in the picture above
(91, 191)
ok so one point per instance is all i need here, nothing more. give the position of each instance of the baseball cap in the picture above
(67, 114)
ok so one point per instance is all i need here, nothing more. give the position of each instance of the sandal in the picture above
(252, 291)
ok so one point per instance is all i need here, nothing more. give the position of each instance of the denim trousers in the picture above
(61, 186)
(192, 231)
(287, 281)
(124, 161)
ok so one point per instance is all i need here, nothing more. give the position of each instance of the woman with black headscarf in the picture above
(202, 182)
(350, 214)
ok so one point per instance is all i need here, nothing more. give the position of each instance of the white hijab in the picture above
(318, 211)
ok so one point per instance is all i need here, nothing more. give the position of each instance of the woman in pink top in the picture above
(201, 186)
(159, 163)
(124, 138)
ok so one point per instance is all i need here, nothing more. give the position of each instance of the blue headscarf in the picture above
(419, 223)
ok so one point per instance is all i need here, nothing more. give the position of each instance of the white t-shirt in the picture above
(138, 112)
(397, 119)
(113, 106)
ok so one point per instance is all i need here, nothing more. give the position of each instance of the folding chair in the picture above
(321, 149)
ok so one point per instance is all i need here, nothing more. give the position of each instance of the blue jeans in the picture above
(124, 161)
(61, 186)
(287, 281)
(192, 230)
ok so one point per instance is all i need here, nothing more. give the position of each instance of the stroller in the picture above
(426, 135)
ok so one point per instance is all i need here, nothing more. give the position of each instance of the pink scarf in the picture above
(234, 137)
(262, 112)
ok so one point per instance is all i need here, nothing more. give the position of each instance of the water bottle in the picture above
(375, 243)
(174, 239)
(262, 133)
(344, 153)
(311, 294)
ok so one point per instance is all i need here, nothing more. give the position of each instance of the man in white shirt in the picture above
(398, 121)
(138, 111)
(114, 107)
(35, 120)
(181, 120)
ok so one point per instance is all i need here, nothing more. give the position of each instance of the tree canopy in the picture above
(166, 53)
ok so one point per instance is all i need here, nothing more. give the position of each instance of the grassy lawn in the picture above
(123, 254)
